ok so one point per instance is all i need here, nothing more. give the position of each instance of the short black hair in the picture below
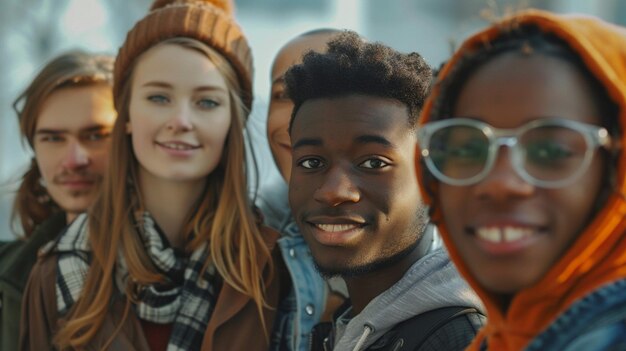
(353, 66)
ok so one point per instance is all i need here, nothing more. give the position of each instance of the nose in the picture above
(503, 183)
(180, 120)
(337, 188)
(76, 156)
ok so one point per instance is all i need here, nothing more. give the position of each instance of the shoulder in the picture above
(456, 334)
(606, 337)
(39, 300)
(18, 257)
(8, 250)
(449, 328)
(44, 271)
(597, 318)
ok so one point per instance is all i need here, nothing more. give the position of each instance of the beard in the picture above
(398, 254)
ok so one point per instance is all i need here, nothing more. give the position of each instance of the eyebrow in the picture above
(361, 139)
(165, 85)
(307, 142)
(88, 129)
(377, 139)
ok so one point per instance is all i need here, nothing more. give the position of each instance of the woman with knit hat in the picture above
(523, 170)
(172, 255)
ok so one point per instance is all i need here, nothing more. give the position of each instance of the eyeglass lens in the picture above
(547, 153)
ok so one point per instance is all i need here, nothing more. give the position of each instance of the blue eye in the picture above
(311, 163)
(207, 103)
(373, 163)
(158, 99)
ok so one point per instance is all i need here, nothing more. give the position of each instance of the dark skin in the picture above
(353, 191)
(365, 288)
(507, 92)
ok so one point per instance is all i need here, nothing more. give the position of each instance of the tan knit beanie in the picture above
(209, 21)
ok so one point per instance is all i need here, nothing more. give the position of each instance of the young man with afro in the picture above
(354, 195)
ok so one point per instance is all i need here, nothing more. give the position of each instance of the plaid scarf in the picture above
(185, 299)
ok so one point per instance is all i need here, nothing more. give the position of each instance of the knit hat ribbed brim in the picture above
(210, 22)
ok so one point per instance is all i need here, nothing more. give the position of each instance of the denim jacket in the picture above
(306, 301)
(597, 322)
(303, 308)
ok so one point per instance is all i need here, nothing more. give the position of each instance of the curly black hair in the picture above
(353, 66)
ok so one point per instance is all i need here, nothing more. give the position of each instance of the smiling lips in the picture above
(336, 234)
(506, 234)
(178, 148)
(177, 145)
(498, 240)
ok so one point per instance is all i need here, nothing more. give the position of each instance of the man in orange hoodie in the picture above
(522, 168)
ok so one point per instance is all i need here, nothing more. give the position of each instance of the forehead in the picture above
(77, 107)
(339, 119)
(515, 88)
(292, 52)
(174, 63)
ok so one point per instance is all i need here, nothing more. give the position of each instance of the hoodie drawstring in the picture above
(367, 330)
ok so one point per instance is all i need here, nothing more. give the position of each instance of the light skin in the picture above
(281, 106)
(71, 144)
(507, 92)
(179, 119)
(353, 191)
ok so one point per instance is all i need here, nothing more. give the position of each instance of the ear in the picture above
(128, 128)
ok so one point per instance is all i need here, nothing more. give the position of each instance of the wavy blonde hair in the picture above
(223, 218)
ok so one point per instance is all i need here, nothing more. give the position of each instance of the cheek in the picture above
(295, 193)
(578, 202)
(278, 119)
(48, 162)
(302, 187)
(216, 131)
(140, 138)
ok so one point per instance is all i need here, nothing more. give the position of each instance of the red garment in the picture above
(598, 256)
(157, 335)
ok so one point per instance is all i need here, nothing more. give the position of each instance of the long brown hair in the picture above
(32, 203)
(223, 218)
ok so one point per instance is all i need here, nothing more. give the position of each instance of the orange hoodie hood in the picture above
(598, 256)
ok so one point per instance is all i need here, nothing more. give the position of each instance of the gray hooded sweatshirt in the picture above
(432, 282)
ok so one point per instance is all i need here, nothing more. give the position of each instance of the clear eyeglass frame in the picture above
(594, 136)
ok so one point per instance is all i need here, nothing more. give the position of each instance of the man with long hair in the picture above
(66, 115)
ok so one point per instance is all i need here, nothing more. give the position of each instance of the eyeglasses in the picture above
(549, 152)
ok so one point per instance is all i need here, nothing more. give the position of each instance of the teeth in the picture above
(177, 146)
(489, 234)
(335, 227)
(514, 234)
(506, 234)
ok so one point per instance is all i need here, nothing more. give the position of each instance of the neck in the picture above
(364, 288)
(169, 203)
(70, 216)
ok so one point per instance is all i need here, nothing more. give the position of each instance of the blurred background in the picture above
(33, 31)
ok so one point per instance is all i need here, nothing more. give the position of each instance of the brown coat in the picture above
(234, 325)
